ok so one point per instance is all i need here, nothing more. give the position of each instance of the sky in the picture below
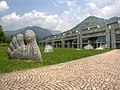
(59, 15)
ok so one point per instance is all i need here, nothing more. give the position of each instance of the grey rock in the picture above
(24, 47)
(20, 40)
(14, 42)
(104, 46)
(88, 47)
(48, 48)
(99, 48)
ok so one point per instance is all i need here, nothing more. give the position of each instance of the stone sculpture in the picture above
(24, 47)
(99, 48)
(48, 48)
(88, 47)
(102, 47)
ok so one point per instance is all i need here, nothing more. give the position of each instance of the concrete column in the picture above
(113, 38)
(72, 44)
(59, 44)
(56, 45)
(88, 41)
(68, 44)
(52, 42)
(78, 41)
(63, 42)
(108, 38)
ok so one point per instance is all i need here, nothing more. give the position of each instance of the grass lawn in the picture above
(59, 55)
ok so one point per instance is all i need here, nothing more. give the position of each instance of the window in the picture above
(85, 40)
(102, 39)
(117, 37)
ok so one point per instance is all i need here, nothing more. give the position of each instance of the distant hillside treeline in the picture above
(40, 32)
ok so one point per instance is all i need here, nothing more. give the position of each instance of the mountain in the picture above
(90, 21)
(93, 21)
(113, 19)
(40, 32)
(54, 32)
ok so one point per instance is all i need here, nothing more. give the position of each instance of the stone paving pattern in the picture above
(99, 72)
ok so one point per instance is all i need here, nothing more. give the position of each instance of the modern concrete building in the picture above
(96, 36)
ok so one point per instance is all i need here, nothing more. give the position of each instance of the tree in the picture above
(38, 40)
(2, 35)
(8, 38)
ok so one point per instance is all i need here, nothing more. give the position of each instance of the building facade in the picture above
(96, 36)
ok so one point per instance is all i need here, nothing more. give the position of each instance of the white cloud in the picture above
(61, 1)
(103, 8)
(91, 5)
(3, 5)
(111, 10)
(14, 21)
(71, 3)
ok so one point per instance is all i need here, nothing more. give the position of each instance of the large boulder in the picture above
(24, 47)
(48, 48)
(104, 46)
(88, 47)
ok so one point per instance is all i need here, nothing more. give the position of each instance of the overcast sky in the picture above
(53, 14)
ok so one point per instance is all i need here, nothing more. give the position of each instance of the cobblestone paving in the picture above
(100, 72)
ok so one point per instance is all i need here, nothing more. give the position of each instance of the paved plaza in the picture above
(99, 72)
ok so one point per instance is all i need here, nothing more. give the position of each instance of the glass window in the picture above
(102, 39)
(75, 40)
(117, 37)
(85, 40)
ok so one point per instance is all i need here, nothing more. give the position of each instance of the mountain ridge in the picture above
(93, 21)
(39, 31)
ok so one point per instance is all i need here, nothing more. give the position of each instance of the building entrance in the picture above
(92, 41)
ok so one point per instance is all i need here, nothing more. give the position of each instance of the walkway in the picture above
(100, 72)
